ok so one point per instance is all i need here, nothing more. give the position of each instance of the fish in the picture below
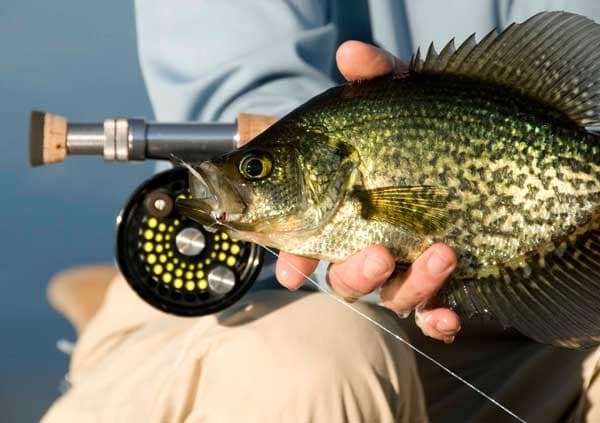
(492, 148)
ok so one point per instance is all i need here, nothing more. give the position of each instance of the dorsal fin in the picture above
(553, 57)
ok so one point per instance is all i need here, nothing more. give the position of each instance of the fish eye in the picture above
(255, 166)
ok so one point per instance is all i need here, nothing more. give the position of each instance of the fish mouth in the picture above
(214, 199)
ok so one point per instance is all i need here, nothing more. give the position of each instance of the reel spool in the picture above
(174, 263)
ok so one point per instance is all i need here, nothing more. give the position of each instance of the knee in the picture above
(316, 356)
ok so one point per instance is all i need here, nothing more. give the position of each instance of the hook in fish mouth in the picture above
(200, 211)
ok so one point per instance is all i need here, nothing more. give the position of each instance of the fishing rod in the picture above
(52, 138)
(174, 263)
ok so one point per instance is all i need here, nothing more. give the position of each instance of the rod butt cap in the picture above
(47, 138)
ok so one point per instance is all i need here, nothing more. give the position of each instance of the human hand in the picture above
(372, 267)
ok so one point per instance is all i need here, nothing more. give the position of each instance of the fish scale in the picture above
(504, 136)
(491, 148)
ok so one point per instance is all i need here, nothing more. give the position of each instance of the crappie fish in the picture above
(492, 148)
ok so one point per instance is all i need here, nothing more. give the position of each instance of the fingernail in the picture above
(420, 316)
(445, 327)
(350, 299)
(403, 314)
(285, 276)
(438, 264)
(374, 267)
(449, 340)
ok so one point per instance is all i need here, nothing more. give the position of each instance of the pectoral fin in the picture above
(419, 209)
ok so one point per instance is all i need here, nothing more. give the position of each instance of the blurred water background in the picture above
(77, 59)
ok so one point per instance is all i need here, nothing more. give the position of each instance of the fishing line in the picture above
(389, 331)
(376, 323)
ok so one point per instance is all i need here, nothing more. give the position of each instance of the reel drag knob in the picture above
(174, 263)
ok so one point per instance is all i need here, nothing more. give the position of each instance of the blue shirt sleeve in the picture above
(209, 60)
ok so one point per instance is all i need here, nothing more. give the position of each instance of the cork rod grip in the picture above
(250, 125)
(47, 138)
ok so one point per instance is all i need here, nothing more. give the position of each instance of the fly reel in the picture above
(174, 263)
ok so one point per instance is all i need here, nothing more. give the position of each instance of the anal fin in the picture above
(594, 130)
(554, 299)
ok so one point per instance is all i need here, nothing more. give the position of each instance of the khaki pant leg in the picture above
(589, 409)
(276, 356)
(539, 383)
(309, 361)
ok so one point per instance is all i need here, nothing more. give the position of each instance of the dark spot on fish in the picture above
(584, 219)
(533, 190)
(343, 149)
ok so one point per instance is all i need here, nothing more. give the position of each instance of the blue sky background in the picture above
(77, 59)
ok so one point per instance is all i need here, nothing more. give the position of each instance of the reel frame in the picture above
(174, 263)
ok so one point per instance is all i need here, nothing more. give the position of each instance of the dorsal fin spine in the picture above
(430, 60)
(495, 45)
(462, 52)
(445, 55)
(484, 45)
(416, 59)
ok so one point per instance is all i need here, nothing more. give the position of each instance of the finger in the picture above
(439, 323)
(421, 281)
(361, 273)
(357, 60)
(290, 269)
